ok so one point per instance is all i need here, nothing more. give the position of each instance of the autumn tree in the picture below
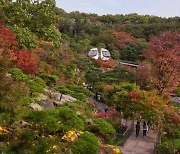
(106, 64)
(25, 61)
(164, 57)
(115, 40)
(31, 17)
(7, 38)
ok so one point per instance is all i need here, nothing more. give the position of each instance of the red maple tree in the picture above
(115, 40)
(164, 60)
(25, 61)
(106, 64)
(7, 39)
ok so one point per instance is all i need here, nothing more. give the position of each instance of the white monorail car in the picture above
(105, 54)
(93, 53)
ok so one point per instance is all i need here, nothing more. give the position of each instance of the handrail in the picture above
(124, 136)
(129, 62)
(127, 133)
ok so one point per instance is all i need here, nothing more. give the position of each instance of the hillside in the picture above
(46, 103)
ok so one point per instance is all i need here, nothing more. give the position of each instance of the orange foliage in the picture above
(26, 61)
(23, 59)
(107, 87)
(115, 40)
(134, 96)
(164, 58)
(132, 69)
(48, 69)
(7, 38)
(106, 64)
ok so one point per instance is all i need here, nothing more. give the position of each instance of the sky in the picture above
(163, 8)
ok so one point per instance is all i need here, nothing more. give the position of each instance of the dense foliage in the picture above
(87, 143)
(43, 54)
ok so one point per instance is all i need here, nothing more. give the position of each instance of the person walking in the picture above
(106, 109)
(148, 126)
(145, 129)
(98, 97)
(137, 128)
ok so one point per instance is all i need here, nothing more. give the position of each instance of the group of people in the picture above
(145, 128)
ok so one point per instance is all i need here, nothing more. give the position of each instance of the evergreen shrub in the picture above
(87, 143)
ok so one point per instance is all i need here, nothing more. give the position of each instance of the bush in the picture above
(17, 74)
(166, 148)
(60, 119)
(104, 127)
(87, 143)
(79, 96)
(51, 34)
(27, 142)
(63, 90)
(70, 119)
(26, 61)
(79, 89)
(26, 39)
(35, 87)
(35, 84)
(79, 92)
(49, 79)
(39, 81)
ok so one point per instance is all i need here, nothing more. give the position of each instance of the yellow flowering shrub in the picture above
(3, 130)
(55, 147)
(115, 149)
(70, 136)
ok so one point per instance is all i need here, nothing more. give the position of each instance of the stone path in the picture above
(100, 105)
(140, 144)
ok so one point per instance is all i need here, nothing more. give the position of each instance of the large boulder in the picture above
(56, 96)
(36, 106)
(47, 104)
(68, 98)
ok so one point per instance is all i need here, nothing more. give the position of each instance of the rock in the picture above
(47, 104)
(47, 90)
(36, 106)
(41, 97)
(78, 113)
(24, 123)
(56, 103)
(89, 121)
(68, 98)
(56, 96)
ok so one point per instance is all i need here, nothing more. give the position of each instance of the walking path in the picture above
(100, 105)
(135, 145)
(140, 144)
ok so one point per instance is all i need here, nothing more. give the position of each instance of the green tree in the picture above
(134, 51)
(87, 143)
(36, 16)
